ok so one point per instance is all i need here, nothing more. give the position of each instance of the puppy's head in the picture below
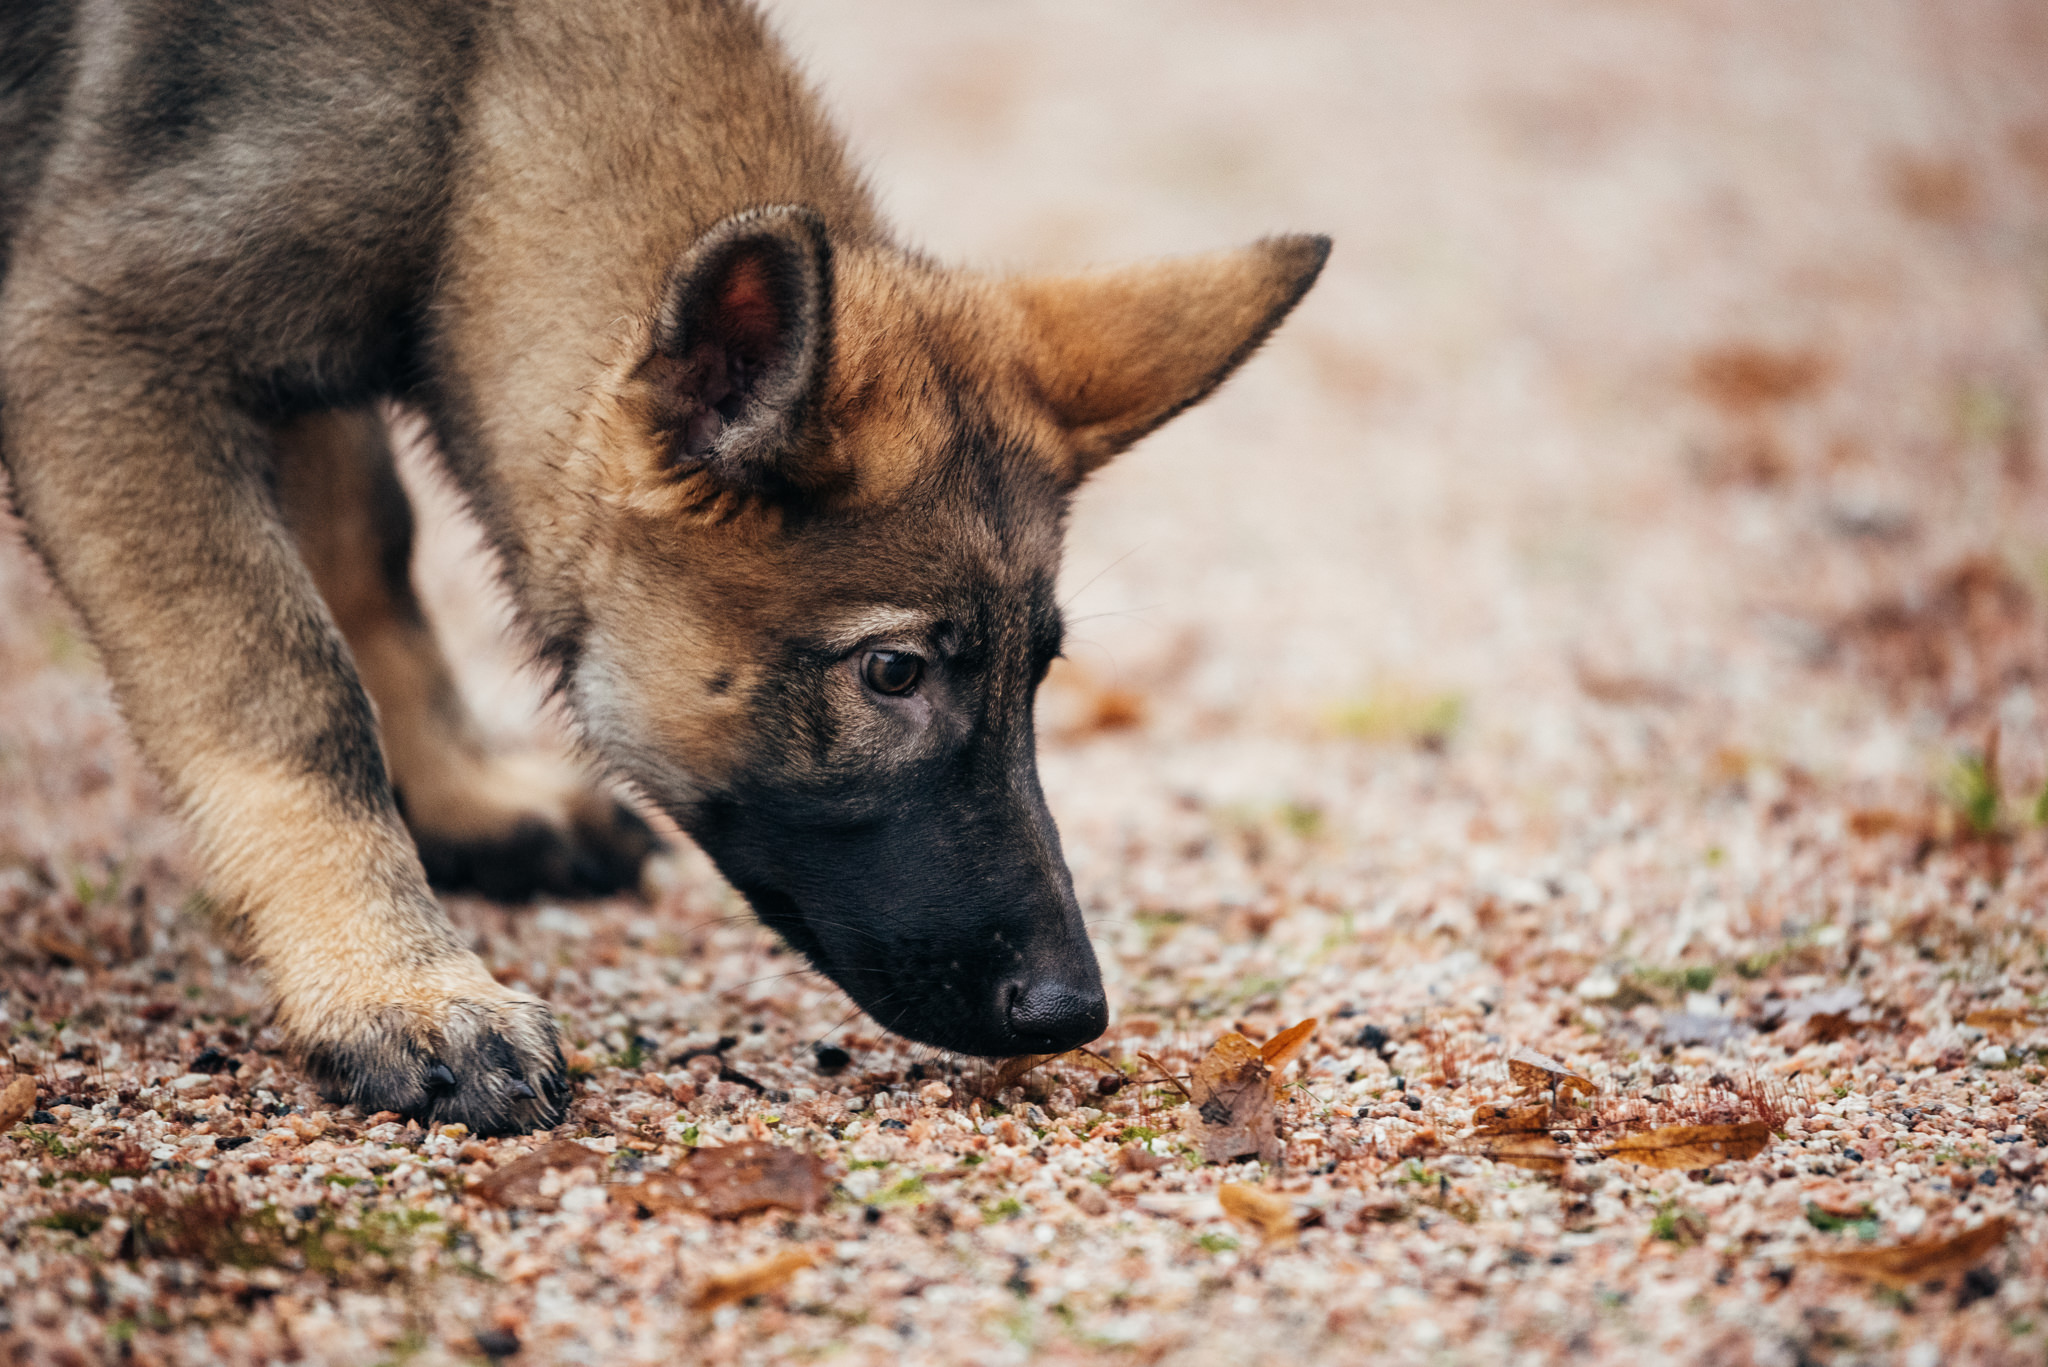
(821, 594)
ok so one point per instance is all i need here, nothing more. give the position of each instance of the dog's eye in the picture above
(894, 672)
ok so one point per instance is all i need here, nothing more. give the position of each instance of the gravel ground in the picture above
(1607, 622)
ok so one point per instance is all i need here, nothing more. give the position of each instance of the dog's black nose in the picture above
(1052, 1014)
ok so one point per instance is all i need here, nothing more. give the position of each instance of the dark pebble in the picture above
(497, 1343)
(1978, 1283)
(212, 1060)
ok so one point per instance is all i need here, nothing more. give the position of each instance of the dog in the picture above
(778, 501)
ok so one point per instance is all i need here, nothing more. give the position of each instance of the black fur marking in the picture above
(914, 861)
(36, 62)
(535, 859)
(473, 1074)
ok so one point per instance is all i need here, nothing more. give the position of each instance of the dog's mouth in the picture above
(993, 1010)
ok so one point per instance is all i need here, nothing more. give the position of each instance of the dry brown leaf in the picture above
(1828, 1015)
(18, 1102)
(2003, 1020)
(1742, 377)
(1013, 1070)
(1536, 1152)
(1232, 1092)
(1624, 690)
(1692, 1146)
(1079, 704)
(1420, 1143)
(1271, 1215)
(1534, 1072)
(1138, 1158)
(65, 950)
(1872, 823)
(755, 1279)
(737, 1179)
(518, 1183)
(1492, 1120)
(1286, 1046)
(1903, 1265)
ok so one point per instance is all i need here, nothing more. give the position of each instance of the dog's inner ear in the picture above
(740, 348)
(1116, 353)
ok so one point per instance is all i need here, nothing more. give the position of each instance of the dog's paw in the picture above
(522, 826)
(493, 1063)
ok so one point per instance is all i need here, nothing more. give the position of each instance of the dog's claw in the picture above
(492, 1064)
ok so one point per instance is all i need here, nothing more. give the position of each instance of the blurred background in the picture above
(1679, 365)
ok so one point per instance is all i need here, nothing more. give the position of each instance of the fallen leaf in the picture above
(1420, 1143)
(1536, 1152)
(1013, 1070)
(1742, 377)
(1692, 1146)
(1078, 704)
(1903, 1265)
(1138, 1158)
(755, 1279)
(1827, 1016)
(1872, 823)
(1284, 1047)
(1534, 1072)
(65, 950)
(2004, 1020)
(737, 1179)
(518, 1183)
(1492, 1120)
(1624, 690)
(18, 1102)
(1232, 1092)
(1257, 1209)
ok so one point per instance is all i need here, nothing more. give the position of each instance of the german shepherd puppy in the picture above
(779, 501)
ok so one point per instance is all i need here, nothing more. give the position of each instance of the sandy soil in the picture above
(1607, 622)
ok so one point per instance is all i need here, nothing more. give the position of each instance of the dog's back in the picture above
(35, 69)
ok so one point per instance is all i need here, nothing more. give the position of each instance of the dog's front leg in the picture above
(143, 485)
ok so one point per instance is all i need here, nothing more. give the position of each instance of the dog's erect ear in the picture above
(741, 347)
(1116, 353)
